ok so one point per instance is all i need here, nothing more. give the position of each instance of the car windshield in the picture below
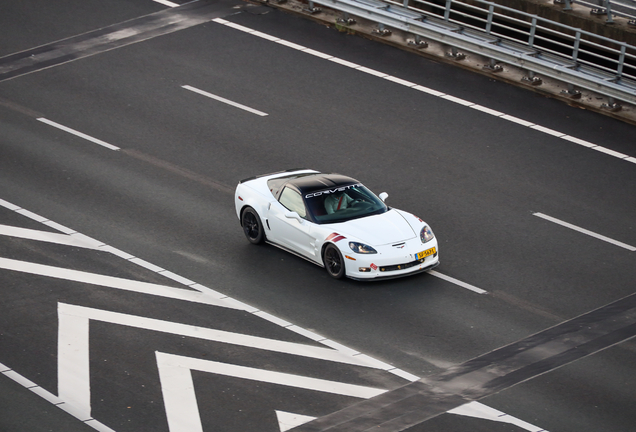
(343, 203)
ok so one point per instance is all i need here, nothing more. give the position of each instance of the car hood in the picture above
(386, 228)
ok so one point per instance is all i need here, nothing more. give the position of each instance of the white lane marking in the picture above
(288, 421)
(74, 353)
(180, 399)
(81, 342)
(584, 231)
(76, 239)
(227, 101)
(291, 380)
(79, 134)
(433, 92)
(457, 282)
(167, 3)
(113, 282)
(51, 398)
(85, 314)
(221, 299)
(479, 410)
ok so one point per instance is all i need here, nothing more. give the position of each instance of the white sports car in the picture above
(335, 222)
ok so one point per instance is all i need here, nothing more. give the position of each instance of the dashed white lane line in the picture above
(77, 133)
(226, 101)
(167, 3)
(432, 92)
(457, 282)
(584, 231)
(51, 398)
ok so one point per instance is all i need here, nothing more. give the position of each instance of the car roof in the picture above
(319, 181)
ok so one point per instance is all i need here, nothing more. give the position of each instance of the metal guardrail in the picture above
(542, 47)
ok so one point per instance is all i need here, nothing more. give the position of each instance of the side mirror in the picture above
(383, 196)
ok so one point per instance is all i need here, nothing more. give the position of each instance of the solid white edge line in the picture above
(610, 152)
(77, 133)
(226, 101)
(579, 141)
(457, 282)
(400, 81)
(548, 131)
(442, 95)
(51, 398)
(487, 110)
(587, 232)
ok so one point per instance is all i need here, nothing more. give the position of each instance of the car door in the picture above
(289, 224)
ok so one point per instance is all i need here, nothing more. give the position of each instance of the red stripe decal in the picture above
(335, 237)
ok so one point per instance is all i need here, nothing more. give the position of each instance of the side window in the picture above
(293, 201)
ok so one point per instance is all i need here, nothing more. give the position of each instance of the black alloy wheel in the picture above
(252, 226)
(333, 261)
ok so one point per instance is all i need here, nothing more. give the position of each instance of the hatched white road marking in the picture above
(180, 399)
(479, 410)
(73, 330)
(115, 282)
(74, 239)
(74, 362)
(584, 231)
(287, 420)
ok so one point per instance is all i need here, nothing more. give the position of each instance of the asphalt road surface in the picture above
(131, 300)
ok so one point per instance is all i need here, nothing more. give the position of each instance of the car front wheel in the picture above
(333, 261)
(252, 226)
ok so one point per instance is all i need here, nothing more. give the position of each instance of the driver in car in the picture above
(335, 202)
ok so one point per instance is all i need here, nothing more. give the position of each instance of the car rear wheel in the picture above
(333, 261)
(252, 226)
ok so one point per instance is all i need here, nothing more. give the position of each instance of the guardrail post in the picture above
(609, 12)
(575, 50)
(492, 66)
(417, 42)
(532, 79)
(311, 8)
(447, 10)
(571, 92)
(491, 10)
(533, 30)
(381, 31)
(454, 54)
(346, 19)
(621, 62)
(612, 105)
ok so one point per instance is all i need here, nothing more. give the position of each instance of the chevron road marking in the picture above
(180, 399)
(73, 347)
(73, 336)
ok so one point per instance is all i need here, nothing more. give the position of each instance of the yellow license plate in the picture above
(426, 253)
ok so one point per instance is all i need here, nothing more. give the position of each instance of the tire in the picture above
(334, 264)
(252, 226)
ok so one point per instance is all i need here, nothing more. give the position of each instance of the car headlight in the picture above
(361, 248)
(426, 234)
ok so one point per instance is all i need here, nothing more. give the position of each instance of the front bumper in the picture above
(391, 262)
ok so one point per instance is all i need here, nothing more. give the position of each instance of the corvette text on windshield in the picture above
(330, 191)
